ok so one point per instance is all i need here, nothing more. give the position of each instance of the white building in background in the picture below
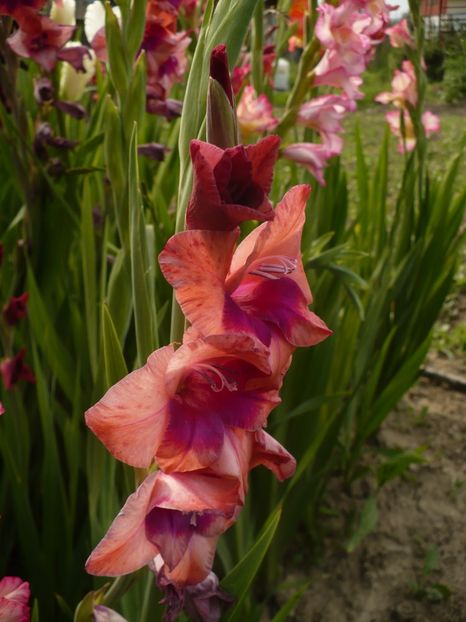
(443, 15)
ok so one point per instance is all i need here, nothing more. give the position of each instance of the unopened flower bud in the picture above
(222, 129)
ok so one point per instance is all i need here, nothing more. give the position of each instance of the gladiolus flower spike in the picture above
(198, 411)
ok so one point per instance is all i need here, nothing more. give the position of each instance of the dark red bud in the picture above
(153, 151)
(15, 309)
(219, 69)
(15, 369)
(77, 111)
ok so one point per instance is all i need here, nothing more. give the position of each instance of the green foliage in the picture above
(455, 71)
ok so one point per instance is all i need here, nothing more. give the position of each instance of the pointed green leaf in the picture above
(54, 351)
(114, 361)
(142, 270)
(238, 580)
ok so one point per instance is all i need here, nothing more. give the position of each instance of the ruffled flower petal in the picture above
(131, 417)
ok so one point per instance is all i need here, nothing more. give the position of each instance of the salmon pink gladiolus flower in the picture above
(231, 185)
(181, 515)
(178, 407)
(14, 598)
(255, 113)
(260, 290)
(178, 516)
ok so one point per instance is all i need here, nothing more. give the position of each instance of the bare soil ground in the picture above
(412, 567)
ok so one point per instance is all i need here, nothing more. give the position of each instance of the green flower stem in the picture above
(301, 86)
(118, 589)
(257, 48)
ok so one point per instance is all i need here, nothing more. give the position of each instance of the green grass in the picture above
(442, 147)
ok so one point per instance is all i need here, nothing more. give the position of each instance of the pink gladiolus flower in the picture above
(178, 516)
(255, 114)
(340, 29)
(258, 290)
(15, 369)
(231, 185)
(2, 409)
(324, 114)
(14, 598)
(330, 72)
(42, 40)
(179, 406)
(314, 157)
(181, 515)
(431, 123)
(10, 7)
(15, 309)
(403, 87)
(399, 35)
(407, 140)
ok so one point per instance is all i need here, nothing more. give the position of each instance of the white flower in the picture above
(72, 82)
(94, 20)
(63, 12)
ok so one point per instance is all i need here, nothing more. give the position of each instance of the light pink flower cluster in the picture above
(405, 133)
(348, 33)
(198, 412)
(404, 96)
